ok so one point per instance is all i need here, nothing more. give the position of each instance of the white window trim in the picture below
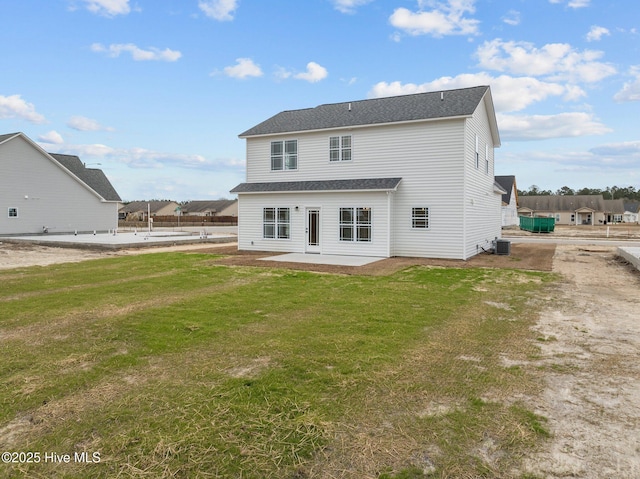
(284, 155)
(341, 148)
(413, 217)
(354, 224)
(276, 223)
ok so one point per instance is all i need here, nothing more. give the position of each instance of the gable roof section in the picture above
(202, 206)
(92, 177)
(508, 184)
(562, 202)
(368, 184)
(404, 108)
(152, 206)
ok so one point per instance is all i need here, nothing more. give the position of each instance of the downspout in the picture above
(388, 224)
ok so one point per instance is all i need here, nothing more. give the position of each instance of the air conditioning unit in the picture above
(503, 247)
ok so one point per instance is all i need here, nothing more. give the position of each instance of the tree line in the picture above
(608, 193)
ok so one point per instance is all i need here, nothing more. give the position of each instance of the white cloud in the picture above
(82, 123)
(542, 127)
(15, 107)
(221, 10)
(512, 18)
(509, 93)
(144, 158)
(596, 33)
(628, 149)
(314, 73)
(108, 8)
(53, 137)
(631, 90)
(573, 3)
(446, 18)
(513, 94)
(138, 54)
(244, 67)
(558, 61)
(348, 6)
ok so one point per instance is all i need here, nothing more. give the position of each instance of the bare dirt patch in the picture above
(589, 338)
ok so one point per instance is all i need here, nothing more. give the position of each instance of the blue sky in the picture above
(157, 91)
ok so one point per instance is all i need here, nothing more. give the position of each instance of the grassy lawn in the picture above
(168, 365)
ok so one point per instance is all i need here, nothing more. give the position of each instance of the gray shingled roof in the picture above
(420, 106)
(92, 177)
(507, 182)
(327, 185)
(138, 206)
(7, 136)
(553, 203)
(202, 206)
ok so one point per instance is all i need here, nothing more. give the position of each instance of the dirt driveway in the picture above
(588, 332)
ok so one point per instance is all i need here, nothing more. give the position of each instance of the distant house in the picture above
(139, 210)
(509, 200)
(211, 208)
(573, 209)
(631, 212)
(54, 193)
(409, 175)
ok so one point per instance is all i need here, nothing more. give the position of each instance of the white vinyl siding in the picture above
(250, 234)
(47, 195)
(437, 163)
(482, 205)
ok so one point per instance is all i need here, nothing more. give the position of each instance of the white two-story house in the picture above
(410, 175)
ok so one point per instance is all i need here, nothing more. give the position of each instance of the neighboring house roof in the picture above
(405, 108)
(632, 206)
(369, 184)
(508, 184)
(137, 206)
(614, 206)
(93, 177)
(203, 206)
(570, 203)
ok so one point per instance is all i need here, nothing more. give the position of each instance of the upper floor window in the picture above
(477, 152)
(486, 159)
(340, 148)
(13, 212)
(284, 155)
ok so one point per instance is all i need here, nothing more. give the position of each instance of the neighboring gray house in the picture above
(211, 208)
(140, 210)
(49, 192)
(573, 209)
(631, 211)
(509, 200)
(410, 175)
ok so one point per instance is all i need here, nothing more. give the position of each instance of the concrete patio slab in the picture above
(331, 259)
(121, 240)
(632, 255)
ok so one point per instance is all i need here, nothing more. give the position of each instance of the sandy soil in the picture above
(589, 335)
(590, 347)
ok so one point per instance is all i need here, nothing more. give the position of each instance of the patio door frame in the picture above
(312, 229)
